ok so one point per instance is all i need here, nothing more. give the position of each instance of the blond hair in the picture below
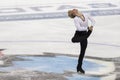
(70, 14)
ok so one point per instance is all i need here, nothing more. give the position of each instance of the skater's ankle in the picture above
(81, 71)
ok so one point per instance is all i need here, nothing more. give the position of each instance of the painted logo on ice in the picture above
(56, 11)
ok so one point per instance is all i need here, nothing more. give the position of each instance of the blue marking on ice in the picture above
(57, 64)
(79, 77)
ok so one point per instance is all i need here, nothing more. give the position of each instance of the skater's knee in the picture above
(75, 40)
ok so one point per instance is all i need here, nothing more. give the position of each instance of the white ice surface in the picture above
(53, 35)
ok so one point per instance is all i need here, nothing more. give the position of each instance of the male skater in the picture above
(82, 33)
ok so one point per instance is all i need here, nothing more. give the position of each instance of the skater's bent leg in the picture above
(81, 38)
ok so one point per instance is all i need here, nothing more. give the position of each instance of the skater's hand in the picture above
(90, 28)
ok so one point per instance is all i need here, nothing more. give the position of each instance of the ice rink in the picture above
(35, 27)
(43, 26)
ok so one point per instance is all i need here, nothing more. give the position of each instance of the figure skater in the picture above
(81, 34)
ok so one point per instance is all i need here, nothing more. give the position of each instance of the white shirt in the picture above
(83, 25)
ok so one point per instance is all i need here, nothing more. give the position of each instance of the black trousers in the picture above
(81, 37)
